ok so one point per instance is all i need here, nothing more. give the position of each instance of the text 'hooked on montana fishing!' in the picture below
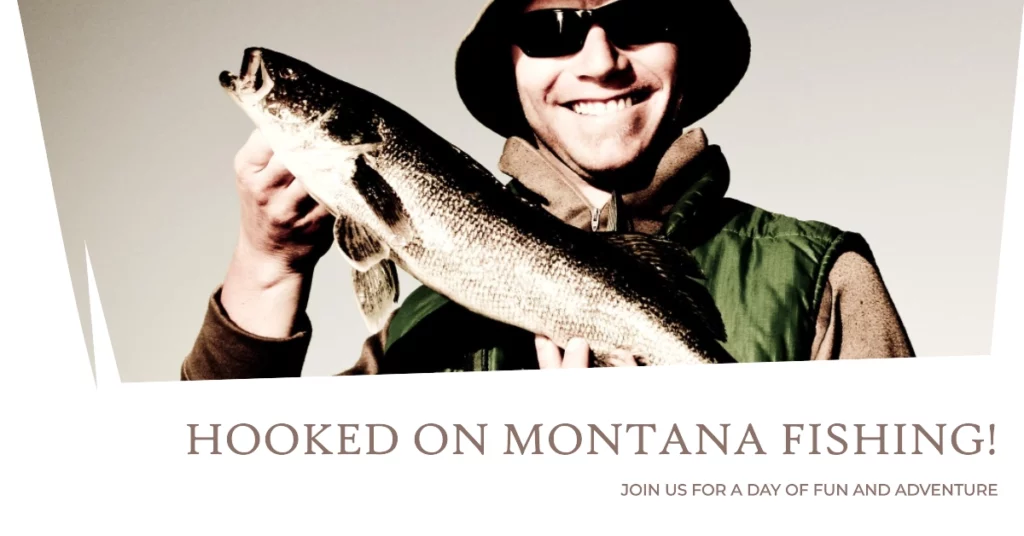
(403, 195)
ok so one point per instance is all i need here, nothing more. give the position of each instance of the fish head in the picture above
(298, 106)
(316, 124)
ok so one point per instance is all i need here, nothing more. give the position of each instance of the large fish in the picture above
(402, 194)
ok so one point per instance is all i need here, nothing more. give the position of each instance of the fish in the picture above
(403, 197)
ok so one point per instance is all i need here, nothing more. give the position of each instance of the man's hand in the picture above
(283, 234)
(282, 226)
(577, 355)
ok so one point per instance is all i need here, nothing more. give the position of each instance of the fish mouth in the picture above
(254, 81)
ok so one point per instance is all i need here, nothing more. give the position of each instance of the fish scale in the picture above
(403, 196)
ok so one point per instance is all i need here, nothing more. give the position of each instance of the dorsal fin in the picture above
(680, 270)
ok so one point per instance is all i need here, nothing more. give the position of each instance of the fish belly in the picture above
(495, 270)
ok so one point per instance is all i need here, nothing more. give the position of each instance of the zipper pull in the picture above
(595, 219)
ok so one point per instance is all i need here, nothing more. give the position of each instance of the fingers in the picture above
(548, 354)
(279, 219)
(622, 359)
(320, 224)
(254, 155)
(294, 195)
(577, 354)
(276, 175)
(301, 214)
(258, 170)
(315, 212)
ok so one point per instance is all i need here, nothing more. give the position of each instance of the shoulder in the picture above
(751, 222)
(743, 225)
(764, 251)
(774, 271)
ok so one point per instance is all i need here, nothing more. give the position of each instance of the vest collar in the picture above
(690, 176)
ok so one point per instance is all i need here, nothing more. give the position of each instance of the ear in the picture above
(675, 106)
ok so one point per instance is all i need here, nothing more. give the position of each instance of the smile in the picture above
(607, 106)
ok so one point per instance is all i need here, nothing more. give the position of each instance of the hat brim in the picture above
(714, 56)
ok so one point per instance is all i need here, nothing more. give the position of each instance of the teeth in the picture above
(602, 108)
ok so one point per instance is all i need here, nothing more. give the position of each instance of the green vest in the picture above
(767, 273)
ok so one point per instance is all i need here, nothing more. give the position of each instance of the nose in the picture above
(599, 58)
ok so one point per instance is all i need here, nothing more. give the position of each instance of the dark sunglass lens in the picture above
(635, 22)
(629, 33)
(549, 33)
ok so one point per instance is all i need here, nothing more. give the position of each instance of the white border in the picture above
(113, 457)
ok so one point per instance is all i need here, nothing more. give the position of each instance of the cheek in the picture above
(660, 61)
(534, 80)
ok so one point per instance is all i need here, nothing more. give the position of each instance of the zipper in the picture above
(595, 219)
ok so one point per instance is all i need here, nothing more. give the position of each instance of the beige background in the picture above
(887, 117)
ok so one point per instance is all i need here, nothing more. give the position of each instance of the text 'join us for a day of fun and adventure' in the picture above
(807, 489)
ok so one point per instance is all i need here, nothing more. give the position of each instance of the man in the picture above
(595, 101)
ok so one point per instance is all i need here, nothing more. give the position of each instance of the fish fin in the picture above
(662, 253)
(679, 268)
(361, 246)
(381, 198)
(377, 293)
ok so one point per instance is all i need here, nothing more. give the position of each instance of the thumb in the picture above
(254, 155)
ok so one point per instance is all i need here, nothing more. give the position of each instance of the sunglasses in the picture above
(551, 33)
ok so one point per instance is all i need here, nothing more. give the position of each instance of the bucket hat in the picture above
(714, 52)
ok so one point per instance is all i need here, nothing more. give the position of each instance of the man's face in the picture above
(599, 109)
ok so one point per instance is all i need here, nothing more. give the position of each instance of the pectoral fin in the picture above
(668, 257)
(360, 245)
(381, 198)
(376, 291)
(680, 270)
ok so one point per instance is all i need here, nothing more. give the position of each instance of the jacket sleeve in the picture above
(858, 318)
(225, 351)
(372, 352)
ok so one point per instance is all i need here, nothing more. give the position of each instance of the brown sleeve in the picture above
(225, 351)
(372, 352)
(857, 318)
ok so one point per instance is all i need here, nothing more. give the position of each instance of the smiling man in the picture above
(595, 85)
(596, 100)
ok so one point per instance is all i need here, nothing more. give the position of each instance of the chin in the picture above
(604, 162)
(608, 155)
(611, 150)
